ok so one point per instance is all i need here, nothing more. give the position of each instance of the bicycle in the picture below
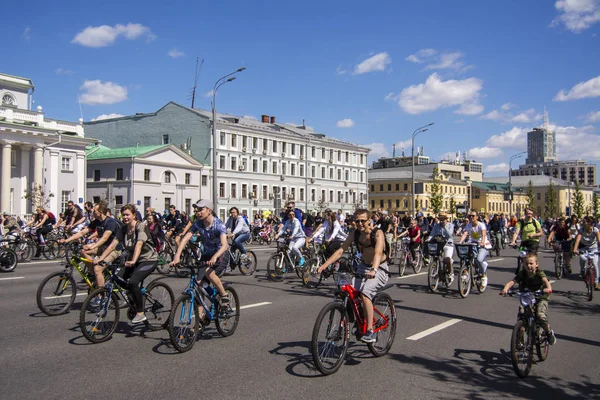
(401, 252)
(280, 263)
(589, 273)
(561, 269)
(166, 255)
(524, 249)
(312, 279)
(184, 319)
(468, 274)
(438, 270)
(331, 332)
(48, 250)
(527, 334)
(98, 323)
(19, 245)
(246, 267)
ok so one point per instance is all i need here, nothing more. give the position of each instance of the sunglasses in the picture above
(472, 216)
(197, 209)
(361, 221)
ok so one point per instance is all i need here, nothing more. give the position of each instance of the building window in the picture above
(64, 199)
(293, 193)
(204, 180)
(293, 169)
(119, 174)
(302, 170)
(313, 193)
(313, 151)
(233, 140)
(221, 189)
(13, 158)
(339, 155)
(283, 168)
(8, 100)
(96, 175)
(539, 196)
(233, 163)
(361, 158)
(330, 173)
(265, 192)
(331, 196)
(146, 202)
(255, 143)
(118, 201)
(293, 149)
(255, 190)
(222, 139)
(146, 174)
(313, 171)
(167, 202)
(397, 187)
(323, 173)
(301, 194)
(65, 164)
(254, 165)
(165, 139)
(339, 174)
(245, 141)
(347, 157)
(362, 176)
(167, 177)
(222, 162)
(188, 206)
(283, 147)
(265, 168)
(274, 146)
(188, 178)
(389, 187)
(274, 167)
(233, 190)
(265, 144)
(372, 188)
(96, 199)
(244, 191)
(381, 188)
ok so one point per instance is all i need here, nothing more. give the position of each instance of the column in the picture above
(6, 172)
(38, 166)
(25, 181)
(80, 171)
(52, 187)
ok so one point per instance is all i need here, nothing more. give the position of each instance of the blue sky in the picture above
(369, 73)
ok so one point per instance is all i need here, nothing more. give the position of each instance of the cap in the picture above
(443, 215)
(202, 203)
(5, 213)
(419, 214)
(328, 210)
(384, 212)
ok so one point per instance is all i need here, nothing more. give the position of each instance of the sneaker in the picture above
(484, 281)
(451, 278)
(369, 337)
(227, 270)
(301, 263)
(138, 319)
(94, 304)
(224, 301)
(551, 338)
(244, 257)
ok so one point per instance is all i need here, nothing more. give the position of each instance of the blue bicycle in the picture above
(193, 311)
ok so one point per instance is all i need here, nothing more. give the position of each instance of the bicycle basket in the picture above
(434, 248)
(343, 279)
(464, 251)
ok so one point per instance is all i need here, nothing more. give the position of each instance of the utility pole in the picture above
(196, 81)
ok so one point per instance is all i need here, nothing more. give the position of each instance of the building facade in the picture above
(39, 155)
(146, 176)
(571, 171)
(541, 145)
(260, 164)
(491, 198)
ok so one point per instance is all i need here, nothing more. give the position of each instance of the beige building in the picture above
(491, 198)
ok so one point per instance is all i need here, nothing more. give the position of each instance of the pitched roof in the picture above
(492, 186)
(104, 152)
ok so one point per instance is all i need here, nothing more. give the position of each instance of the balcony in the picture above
(36, 118)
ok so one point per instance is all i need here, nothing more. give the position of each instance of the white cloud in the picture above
(209, 93)
(63, 71)
(516, 138)
(435, 93)
(496, 168)
(574, 142)
(506, 106)
(484, 152)
(105, 35)
(448, 61)
(98, 92)
(27, 33)
(470, 109)
(421, 55)
(582, 90)
(526, 117)
(577, 15)
(174, 53)
(378, 62)
(340, 71)
(494, 116)
(107, 116)
(593, 117)
(345, 123)
(391, 96)
(378, 150)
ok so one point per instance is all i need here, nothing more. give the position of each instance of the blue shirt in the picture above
(210, 237)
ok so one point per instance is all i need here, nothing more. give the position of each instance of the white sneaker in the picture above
(484, 281)
(451, 278)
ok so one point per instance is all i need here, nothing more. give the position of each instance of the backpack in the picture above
(51, 218)
(535, 222)
(310, 220)
(373, 240)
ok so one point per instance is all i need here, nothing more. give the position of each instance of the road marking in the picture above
(494, 260)
(410, 276)
(64, 295)
(43, 262)
(551, 281)
(264, 303)
(435, 329)
(12, 277)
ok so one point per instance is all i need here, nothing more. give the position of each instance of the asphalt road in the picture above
(268, 357)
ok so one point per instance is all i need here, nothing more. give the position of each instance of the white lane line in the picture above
(43, 262)
(551, 281)
(12, 277)
(64, 295)
(411, 275)
(435, 329)
(264, 303)
(494, 260)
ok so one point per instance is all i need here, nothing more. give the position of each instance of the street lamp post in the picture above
(510, 194)
(220, 82)
(412, 161)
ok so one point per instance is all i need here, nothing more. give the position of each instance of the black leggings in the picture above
(136, 275)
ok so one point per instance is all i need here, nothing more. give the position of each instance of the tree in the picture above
(578, 201)
(38, 196)
(595, 204)
(530, 196)
(435, 192)
(321, 204)
(452, 205)
(551, 203)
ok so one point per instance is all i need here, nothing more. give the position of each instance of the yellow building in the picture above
(492, 198)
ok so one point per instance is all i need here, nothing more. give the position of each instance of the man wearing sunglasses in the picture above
(373, 266)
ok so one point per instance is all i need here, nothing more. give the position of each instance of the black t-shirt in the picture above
(384, 223)
(109, 224)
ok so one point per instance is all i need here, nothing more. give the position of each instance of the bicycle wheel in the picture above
(158, 301)
(99, 322)
(48, 249)
(521, 349)
(590, 279)
(433, 277)
(310, 277)
(183, 269)
(384, 324)
(276, 267)
(56, 293)
(8, 260)
(418, 263)
(57, 249)
(464, 280)
(184, 323)
(248, 266)
(558, 265)
(227, 318)
(541, 343)
(249, 240)
(330, 338)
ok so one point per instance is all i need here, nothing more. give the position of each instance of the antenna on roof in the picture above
(80, 110)
(196, 80)
(545, 122)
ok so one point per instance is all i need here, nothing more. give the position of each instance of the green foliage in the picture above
(530, 196)
(595, 205)
(578, 202)
(435, 192)
(37, 196)
(452, 205)
(550, 208)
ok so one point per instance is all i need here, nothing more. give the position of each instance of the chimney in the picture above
(265, 119)
(394, 154)
(272, 120)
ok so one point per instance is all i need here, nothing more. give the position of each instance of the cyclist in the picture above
(477, 232)
(446, 230)
(238, 230)
(371, 245)
(496, 230)
(332, 233)
(141, 257)
(588, 239)
(414, 233)
(560, 231)
(530, 230)
(293, 230)
(213, 237)
(44, 224)
(174, 222)
(76, 220)
(532, 278)
(10, 226)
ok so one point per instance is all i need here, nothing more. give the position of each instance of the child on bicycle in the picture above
(532, 278)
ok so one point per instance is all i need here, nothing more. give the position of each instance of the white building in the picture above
(37, 152)
(147, 176)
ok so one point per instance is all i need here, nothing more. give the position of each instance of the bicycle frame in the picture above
(195, 289)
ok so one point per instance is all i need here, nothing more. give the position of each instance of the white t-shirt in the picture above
(476, 232)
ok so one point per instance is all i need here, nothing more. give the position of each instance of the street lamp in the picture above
(220, 82)
(510, 194)
(412, 175)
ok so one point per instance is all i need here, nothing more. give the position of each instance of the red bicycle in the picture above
(331, 333)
